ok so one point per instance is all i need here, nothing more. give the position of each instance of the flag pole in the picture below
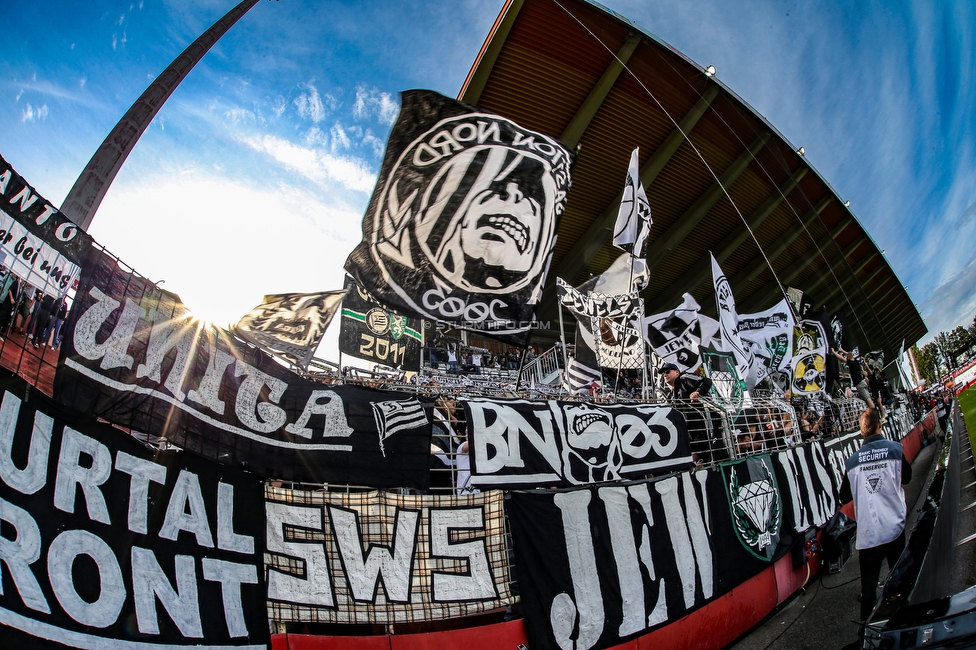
(562, 337)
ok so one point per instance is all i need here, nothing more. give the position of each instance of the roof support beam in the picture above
(586, 247)
(584, 115)
(742, 279)
(837, 273)
(856, 296)
(797, 266)
(702, 270)
(846, 278)
(474, 85)
(662, 245)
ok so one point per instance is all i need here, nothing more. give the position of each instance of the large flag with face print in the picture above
(634, 217)
(463, 219)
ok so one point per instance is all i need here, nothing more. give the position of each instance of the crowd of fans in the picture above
(27, 311)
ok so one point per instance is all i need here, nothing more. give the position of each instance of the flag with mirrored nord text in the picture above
(768, 336)
(463, 219)
(290, 325)
(372, 332)
(728, 319)
(634, 216)
(676, 335)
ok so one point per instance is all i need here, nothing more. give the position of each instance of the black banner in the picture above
(114, 542)
(600, 565)
(136, 357)
(839, 449)
(520, 443)
(372, 332)
(463, 220)
(807, 489)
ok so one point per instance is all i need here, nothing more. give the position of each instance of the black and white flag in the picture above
(373, 332)
(768, 337)
(136, 357)
(634, 217)
(463, 220)
(290, 325)
(606, 323)
(394, 416)
(676, 335)
(728, 318)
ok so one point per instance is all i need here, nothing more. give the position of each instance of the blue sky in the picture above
(254, 176)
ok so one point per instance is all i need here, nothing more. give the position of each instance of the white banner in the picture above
(728, 319)
(768, 337)
(29, 257)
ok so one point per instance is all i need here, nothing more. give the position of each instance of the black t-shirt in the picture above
(854, 367)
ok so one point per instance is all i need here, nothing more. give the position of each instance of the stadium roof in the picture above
(709, 162)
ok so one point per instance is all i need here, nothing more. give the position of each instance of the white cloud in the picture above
(239, 116)
(30, 114)
(339, 138)
(120, 20)
(82, 82)
(115, 41)
(371, 140)
(278, 106)
(310, 105)
(952, 303)
(372, 102)
(283, 238)
(351, 173)
(17, 98)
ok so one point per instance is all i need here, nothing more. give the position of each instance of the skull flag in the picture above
(463, 219)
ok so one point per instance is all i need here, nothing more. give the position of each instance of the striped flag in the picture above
(394, 416)
(583, 369)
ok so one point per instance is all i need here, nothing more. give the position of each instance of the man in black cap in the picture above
(681, 388)
(683, 385)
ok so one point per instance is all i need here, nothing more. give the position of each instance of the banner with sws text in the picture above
(136, 357)
(372, 332)
(600, 565)
(463, 220)
(521, 443)
(379, 557)
(110, 543)
(37, 242)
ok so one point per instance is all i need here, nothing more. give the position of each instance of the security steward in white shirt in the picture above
(873, 478)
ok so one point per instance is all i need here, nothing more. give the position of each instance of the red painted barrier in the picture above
(500, 636)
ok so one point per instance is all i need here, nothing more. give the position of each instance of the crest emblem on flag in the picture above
(756, 506)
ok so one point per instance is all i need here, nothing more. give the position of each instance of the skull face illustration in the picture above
(488, 219)
(592, 453)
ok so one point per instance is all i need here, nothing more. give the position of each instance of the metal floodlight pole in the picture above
(87, 193)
